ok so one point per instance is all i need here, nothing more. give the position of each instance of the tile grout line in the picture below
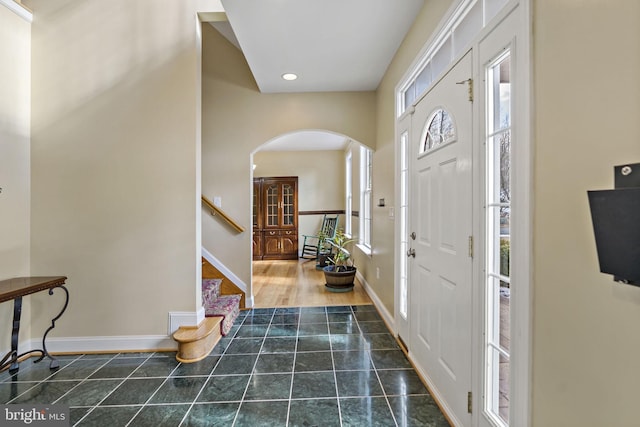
(37, 383)
(306, 327)
(254, 366)
(262, 343)
(293, 366)
(92, 407)
(155, 392)
(108, 394)
(375, 369)
(87, 377)
(333, 364)
(186, 414)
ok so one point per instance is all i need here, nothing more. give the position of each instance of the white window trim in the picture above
(519, 44)
(348, 212)
(366, 192)
(365, 249)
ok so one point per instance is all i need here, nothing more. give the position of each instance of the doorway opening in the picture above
(317, 161)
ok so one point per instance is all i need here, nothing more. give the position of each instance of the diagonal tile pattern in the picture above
(294, 366)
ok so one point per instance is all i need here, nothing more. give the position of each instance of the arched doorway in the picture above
(317, 161)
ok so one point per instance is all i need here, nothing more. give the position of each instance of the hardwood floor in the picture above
(297, 283)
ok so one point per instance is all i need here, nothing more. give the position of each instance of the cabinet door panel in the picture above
(256, 212)
(271, 199)
(275, 217)
(288, 205)
(289, 245)
(271, 243)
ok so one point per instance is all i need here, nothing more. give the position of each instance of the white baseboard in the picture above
(390, 321)
(248, 299)
(442, 403)
(184, 318)
(109, 344)
(388, 318)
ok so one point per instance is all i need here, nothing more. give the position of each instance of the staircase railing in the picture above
(217, 211)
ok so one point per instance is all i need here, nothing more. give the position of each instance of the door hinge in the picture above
(470, 87)
(470, 246)
(469, 402)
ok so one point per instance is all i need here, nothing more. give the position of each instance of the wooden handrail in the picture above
(216, 210)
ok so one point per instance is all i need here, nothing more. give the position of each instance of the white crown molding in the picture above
(18, 9)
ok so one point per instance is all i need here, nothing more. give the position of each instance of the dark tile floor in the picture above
(310, 366)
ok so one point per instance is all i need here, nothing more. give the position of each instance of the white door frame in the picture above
(510, 30)
(403, 130)
(522, 204)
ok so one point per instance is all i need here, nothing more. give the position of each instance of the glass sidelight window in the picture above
(348, 193)
(366, 177)
(498, 245)
(403, 214)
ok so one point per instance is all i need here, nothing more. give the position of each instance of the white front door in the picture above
(441, 217)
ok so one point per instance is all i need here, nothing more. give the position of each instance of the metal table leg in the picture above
(54, 362)
(11, 358)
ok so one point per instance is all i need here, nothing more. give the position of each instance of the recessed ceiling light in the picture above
(289, 76)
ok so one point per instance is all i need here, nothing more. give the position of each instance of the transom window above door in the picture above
(439, 131)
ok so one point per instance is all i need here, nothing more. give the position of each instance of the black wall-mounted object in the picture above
(627, 176)
(615, 215)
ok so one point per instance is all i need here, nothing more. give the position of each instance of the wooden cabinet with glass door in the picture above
(275, 218)
(256, 215)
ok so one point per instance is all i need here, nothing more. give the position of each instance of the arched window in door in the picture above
(440, 130)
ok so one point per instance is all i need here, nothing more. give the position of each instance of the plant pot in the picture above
(339, 281)
(322, 260)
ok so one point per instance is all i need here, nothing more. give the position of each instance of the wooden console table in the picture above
(15, 289)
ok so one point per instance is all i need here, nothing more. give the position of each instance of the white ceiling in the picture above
(332, 45)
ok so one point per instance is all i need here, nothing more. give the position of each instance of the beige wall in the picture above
(320, 181)
(238, 119)
(114, 162)
(15, 57)
(383, 234)
(586, 327)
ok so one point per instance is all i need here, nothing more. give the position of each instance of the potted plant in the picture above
(324, 249)
(341, 272)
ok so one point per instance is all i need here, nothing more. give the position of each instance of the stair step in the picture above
(227, 287)
(196, 343)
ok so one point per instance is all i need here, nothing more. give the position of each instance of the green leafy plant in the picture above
(341, 259)
(505, 255)
(323, 243)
